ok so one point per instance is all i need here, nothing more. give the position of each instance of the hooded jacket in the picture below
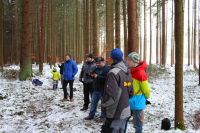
(56, 75)
(69, 70)
(117, 90)
(140, 84)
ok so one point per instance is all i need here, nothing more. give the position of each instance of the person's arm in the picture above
(102, 77)
(145, 88)
(112, 91)
(75, 69)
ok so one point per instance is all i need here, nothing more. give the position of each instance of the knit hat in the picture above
(98, 59)
(135, 57)
(116, 54)
(90, 55)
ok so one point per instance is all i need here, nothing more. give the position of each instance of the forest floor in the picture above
(26, 108)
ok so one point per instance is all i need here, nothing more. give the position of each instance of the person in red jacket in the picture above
(141, 89)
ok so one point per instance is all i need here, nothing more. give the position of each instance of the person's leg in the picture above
(106, 127)
(119, 126)
(65, 89)
(90, 88)
(137, 120)
(71, 88)
(86, 95)
(95, 99)
(142, 117)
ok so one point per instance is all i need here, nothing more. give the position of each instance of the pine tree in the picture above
(25, 60)
(179, 35)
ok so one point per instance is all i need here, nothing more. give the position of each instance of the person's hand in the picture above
(94, 75)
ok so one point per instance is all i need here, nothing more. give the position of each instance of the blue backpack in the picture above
(37, 82)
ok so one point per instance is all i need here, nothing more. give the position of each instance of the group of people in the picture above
(122, 88)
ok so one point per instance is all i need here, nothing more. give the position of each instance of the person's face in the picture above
(100, 64)
(67, 57)
(88, 59)
(131, 63)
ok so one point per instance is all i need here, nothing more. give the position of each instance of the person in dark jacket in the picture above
(118, 87)
(87, 80)
(69, 71)
(61, 71)
(99, 75)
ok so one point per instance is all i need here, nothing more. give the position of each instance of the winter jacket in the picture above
(117, 89)
(61, 68)
(69, 70)
(99, 82)
(56, 75)
(86, 70)
(140, 84)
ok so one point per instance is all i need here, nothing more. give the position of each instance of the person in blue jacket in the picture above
(69, 71)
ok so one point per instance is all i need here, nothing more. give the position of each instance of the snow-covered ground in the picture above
(26, 108)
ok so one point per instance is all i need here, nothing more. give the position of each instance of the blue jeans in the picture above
(96, 96)
(137, 120)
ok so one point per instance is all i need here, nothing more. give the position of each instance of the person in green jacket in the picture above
(56, 77)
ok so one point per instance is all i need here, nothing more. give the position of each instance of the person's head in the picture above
(116, 55)
(89, 57)
(133, 59)
(67, 57)
(54, 69)
(100, 62)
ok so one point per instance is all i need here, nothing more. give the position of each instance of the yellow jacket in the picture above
(56, 75)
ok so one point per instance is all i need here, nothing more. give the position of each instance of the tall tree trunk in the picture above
(150, 35)
(109, 27)
(95, 44)
(172, 35)
(157, 35)
(42, 42)
(199, 41)
(132, 26)
(145, 33)
(25, 60)
(195, 40)
(86, 26)
(125, 28)
(179, 37)
(117, 24)
(163, 35)
(1, 34)
(189, 32)
(15, 33)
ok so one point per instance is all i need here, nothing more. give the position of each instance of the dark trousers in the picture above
(87, 91)
(65, 83)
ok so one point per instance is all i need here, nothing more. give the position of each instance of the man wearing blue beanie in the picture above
(116, 95)
(117, 55)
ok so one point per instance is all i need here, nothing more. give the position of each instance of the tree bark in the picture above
(1, 34)
(150, 35)
(42, 42)
(172, 35)
(95, 43)
(25, 60)
(109, 27)
(132, 26)
(179, 37)
(117, 24)
(157, 31)
(195, 40)
(125, 27)
(189, 33)
(145, 33)
(163, 35)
